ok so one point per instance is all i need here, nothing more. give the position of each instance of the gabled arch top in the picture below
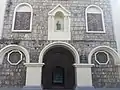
(59, 17)
(60, 8)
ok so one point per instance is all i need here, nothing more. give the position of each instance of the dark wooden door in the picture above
(58, 71)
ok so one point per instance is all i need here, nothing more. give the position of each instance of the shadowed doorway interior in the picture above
(58, 71)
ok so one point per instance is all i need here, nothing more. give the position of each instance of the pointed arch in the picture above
(60, 8)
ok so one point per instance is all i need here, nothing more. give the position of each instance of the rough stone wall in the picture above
(12, 75)
(82, 41)
(105, 75)
(83, 48)
(40, 18)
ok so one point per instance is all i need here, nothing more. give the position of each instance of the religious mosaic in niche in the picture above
(94, 22)
(22, 21)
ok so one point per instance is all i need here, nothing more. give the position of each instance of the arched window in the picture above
(94, 19)
(22, 20)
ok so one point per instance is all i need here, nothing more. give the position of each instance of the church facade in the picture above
(58, 44)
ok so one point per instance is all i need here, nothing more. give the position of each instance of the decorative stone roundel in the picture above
(102, 57)
(14, 57)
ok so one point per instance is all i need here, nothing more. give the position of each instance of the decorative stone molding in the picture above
(8, 48)
(83, 65)
(111, 51)
(22, 8)
(118, 65)
(8, 58)
(33, 64)
(62, 44)
(61, 15)
(94, 9)
(100, 62)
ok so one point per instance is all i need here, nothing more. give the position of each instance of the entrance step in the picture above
(58, 89)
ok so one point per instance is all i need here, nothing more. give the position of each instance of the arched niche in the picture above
(59, 24)
(59, 21)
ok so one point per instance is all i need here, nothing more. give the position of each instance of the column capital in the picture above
(33, 64)
(118, 65)
(83, 65)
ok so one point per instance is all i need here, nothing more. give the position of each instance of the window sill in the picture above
(103, 32)
(22, 31)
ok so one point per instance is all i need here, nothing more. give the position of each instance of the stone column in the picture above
(53, 23)
(83, 76)
(65, 23)
(49, 23)
(33, 76)
(119, 70)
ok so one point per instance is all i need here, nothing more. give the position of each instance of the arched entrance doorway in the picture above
(58, 71)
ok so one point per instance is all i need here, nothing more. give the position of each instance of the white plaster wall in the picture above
(33, 77)
(84, 78)
(59, 36)
(2, 10)
(116, 20)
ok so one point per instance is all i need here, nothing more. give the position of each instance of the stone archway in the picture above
(80, 80)
(63, 44)
(58, 71)
(81, 72)
(69, 48)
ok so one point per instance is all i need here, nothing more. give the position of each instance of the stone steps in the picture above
(58, 89)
